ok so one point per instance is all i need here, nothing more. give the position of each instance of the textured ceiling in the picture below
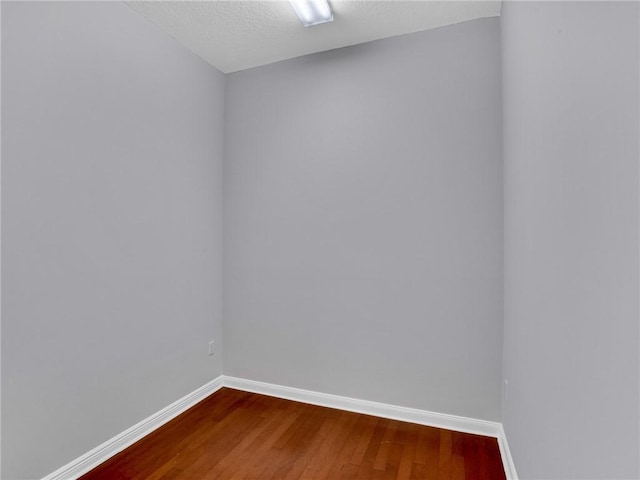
(234, 35)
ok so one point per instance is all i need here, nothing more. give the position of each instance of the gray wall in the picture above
(571, 225)
(111, 227)
(363, 221)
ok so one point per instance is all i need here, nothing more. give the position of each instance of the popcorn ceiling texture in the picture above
(236, 35)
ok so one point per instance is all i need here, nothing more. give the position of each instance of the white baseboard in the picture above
(100, 454)
(108, 449)
(507, 459)
(422, 417)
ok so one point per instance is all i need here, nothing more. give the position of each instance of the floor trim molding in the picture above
(108, 449)
(507, 459)
(423, 417)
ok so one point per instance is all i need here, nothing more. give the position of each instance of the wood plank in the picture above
(234, 435)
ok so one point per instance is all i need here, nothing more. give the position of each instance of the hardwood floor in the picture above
(235, 434)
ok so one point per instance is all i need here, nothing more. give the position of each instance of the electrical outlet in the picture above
(506, 390)
(211, 350)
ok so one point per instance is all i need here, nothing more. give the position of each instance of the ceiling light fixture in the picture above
(312, 12)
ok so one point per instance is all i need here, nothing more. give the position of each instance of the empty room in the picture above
(300, 239)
